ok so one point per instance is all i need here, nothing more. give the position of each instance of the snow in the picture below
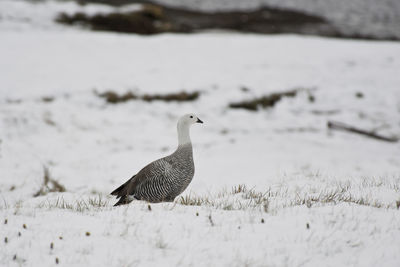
(286, 153)
(337, 235)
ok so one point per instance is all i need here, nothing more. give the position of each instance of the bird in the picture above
(163, 179)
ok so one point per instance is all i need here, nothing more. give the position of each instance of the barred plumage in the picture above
(163, 179)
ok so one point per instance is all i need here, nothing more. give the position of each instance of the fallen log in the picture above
(344, 127)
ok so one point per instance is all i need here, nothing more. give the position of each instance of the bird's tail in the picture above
(122, 201)
(122, 193)
(122, 190)
(117, 191)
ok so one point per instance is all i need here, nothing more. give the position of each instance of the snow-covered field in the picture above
(313, 197)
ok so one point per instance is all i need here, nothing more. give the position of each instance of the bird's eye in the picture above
(191, 117)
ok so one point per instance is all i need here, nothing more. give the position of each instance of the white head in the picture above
(183, 127)
(189, 119)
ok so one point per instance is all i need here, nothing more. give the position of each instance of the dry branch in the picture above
(349, 128)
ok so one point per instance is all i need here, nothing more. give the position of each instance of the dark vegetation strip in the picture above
(264, 101)
(156, 18)
(114, 98)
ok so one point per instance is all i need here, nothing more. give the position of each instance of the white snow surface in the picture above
(345, 187)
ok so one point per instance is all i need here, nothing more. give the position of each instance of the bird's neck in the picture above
(183, 135)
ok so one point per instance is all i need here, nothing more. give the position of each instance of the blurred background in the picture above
(91, 90)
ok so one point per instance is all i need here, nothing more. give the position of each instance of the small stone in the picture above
(15, 257)
(19, 233)
(5, 240)
(5, 221)
(308, 226)
(359, 95)
(87, 233)
(149, 207)
(24, 226)
(262, 220)
(57, 261)
(51, 245)
(60, 237)
(197, 214)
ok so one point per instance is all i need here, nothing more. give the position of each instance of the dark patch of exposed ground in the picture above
(114, 98)
(158, 18)
(155, 18)
(356, 19)
(266, 101)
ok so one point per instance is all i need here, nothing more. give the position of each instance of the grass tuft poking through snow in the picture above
(49, 184)
(310, 195)
(79, 205)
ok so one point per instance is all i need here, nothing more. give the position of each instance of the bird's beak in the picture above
(199, 121)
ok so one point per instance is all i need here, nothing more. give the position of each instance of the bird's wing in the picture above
(151, 173)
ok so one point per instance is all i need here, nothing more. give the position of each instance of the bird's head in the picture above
(189, 119)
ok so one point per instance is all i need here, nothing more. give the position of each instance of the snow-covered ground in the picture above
(315, 197)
